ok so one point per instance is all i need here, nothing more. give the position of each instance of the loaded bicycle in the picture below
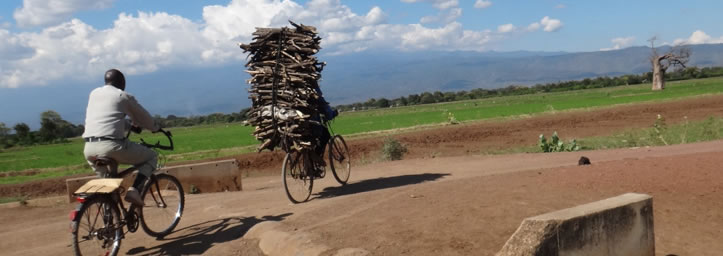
(101, 220)
(300, 167)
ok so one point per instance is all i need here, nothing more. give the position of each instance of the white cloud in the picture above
(698, 37)
(145, 42)
(439, 4)
(444, 17)
(620, 43)
(550, 25)
(481, 4)
(506, 28)
(533, 26)
(135, 44)
(547, 24)
(560, 6)
(50, 12)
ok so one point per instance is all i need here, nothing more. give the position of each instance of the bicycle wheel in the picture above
(339, 159)
(298, 181)
(163, 205)
(96, 227)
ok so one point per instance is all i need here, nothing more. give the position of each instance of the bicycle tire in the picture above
(294, 174)
(164, 201)
(105, 240)
(339, 157)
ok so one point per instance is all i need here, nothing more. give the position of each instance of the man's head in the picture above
(115, 78)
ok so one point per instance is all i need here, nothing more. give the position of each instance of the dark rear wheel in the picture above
(297, 177)
(163, 201)
(96, 227)
(339, 159)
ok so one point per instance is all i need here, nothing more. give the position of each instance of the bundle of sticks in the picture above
(284, 88)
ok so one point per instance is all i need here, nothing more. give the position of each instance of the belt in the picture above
(97, 139)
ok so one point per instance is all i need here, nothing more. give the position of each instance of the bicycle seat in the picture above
(105, 162)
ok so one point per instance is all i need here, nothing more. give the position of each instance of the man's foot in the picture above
(319, 171)
(319, 160)
(132, 196)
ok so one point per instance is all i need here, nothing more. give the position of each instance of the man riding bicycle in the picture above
(320, 131)
(106, 127)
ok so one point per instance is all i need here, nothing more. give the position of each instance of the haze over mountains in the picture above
(353, 78)
(346, 79)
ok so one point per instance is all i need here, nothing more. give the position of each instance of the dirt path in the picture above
(471, 138)
(463, 205)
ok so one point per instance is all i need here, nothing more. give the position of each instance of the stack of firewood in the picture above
(284, 87)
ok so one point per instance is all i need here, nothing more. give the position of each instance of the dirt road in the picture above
(463, 205)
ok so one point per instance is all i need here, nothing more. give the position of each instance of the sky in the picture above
(51, 48)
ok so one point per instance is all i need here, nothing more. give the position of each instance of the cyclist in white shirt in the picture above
(106, 127)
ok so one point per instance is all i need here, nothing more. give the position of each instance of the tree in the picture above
(4, 136)
(382, 103)
(53, 127)
(22, 133)
(427, 98)
(677, 56)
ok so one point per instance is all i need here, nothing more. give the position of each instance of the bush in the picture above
(393, 150)
(556, 145)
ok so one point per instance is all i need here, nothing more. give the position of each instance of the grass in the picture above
(686, 132)
(212, 141)
(12, 199)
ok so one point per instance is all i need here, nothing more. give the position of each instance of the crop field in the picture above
(211, 141)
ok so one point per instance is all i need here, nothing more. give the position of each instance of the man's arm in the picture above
(138, 114)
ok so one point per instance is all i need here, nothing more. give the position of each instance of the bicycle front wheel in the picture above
(298, 181)
(96, 227)
(163, 205)
(339, 159)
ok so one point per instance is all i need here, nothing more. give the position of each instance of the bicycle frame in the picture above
(115, 195)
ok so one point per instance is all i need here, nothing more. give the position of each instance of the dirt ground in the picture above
(468, 138)
(445, 198)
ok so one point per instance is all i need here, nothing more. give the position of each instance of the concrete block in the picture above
(217, 176)
(621, 225)
(208, 177)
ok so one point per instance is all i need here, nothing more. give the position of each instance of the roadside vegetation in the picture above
(218, 140)
(659, 134)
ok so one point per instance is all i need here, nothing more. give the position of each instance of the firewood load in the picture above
(284, 86)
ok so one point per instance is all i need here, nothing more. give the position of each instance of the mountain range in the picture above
(357, 77)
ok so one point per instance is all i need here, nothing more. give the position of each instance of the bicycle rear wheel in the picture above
(298, 180)
(339, 159)
(96, 227)
(163, 201)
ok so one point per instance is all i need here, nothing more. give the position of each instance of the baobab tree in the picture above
(677, 56)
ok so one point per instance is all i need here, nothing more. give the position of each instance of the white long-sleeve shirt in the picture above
(106, 112)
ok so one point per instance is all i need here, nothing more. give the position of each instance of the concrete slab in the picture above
(208, 177)
(621, 225)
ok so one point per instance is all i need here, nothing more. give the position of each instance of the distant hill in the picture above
(356, 77)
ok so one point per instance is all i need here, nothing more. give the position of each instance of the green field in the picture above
(226, 139)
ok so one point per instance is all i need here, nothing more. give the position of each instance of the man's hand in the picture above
(136, 129)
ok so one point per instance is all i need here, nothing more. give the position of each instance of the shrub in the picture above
(451, 119)
(392, 149)
(556, 145)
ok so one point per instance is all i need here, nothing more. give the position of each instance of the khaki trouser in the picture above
(123, 152)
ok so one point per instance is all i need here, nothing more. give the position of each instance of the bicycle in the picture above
(299, 169)
(98, 221)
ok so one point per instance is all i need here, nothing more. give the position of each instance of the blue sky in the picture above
(62, 45)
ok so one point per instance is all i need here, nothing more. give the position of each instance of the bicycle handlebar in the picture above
(158, 143)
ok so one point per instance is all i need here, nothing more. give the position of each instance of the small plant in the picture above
(556, 145)
(660, 127)
(194, 190)
(392, 149)
(709, 131)
(451, 119)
